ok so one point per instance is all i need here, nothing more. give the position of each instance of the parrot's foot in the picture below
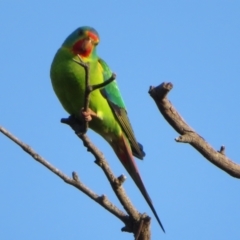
(89, 115)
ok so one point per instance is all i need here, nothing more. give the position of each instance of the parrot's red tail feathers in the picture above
(123, 151)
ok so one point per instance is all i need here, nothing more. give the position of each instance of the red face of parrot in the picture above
(85, 45)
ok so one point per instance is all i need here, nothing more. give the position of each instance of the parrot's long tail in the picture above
(123, 151)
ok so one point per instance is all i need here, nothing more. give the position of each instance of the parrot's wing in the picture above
(112, 94)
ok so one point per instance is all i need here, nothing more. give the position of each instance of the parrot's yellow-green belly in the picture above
(68, 80)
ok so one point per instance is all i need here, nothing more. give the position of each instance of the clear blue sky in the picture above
(193, 44)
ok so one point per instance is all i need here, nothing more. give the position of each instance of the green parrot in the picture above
(107, 113)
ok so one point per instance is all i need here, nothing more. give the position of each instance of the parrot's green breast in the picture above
(68, 81)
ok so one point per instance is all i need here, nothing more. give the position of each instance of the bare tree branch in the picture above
(188, 135)
(136, 223)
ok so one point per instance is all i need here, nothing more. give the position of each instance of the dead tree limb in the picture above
(188, 135)
(136, 223)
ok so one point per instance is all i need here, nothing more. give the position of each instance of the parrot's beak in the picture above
(93, 37)
(94, 41)
(87, 44)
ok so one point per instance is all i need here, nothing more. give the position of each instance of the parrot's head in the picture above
(82, 41)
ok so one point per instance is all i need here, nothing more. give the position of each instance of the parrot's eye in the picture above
(81, 32)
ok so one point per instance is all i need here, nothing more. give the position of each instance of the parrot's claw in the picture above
(88, 115)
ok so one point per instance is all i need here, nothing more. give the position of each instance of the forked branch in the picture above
(133, 221)
(89, 88)
(188, 135)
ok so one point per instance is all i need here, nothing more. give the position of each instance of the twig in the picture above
(188, 135)
(85, 65)
(89, 88)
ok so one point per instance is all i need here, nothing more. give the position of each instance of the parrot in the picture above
(107, 114)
